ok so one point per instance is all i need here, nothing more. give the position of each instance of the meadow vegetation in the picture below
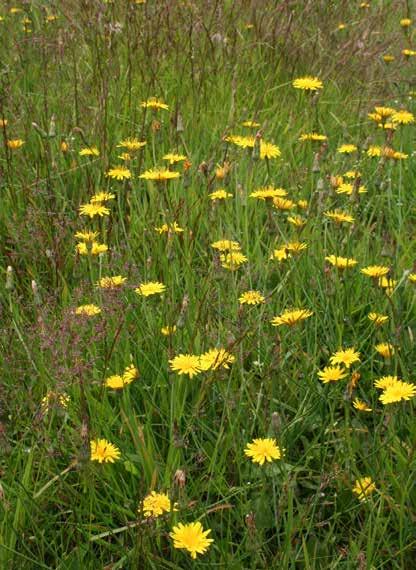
(207, 284)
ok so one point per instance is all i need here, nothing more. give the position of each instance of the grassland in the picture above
(74, 77)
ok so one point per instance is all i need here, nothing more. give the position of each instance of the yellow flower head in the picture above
(102, 197)
(220, 194)
(385, 381)
(397, 392)
(119, 173)
(375, 271)
(388, 58)
(54, 399)
(86, 236)
(169, 229)
(159, 174)
(103, 451)
(268, 192)
(307, 83)
(378, 319)
(403, 117)
(15, 144)
(251, 298)
(192, 538)
(251, 124)
(339, 217)
(117, 381)
(283, 204)
(296, 247)
(155, 104)
(131, 144)
(315, 137)
(341, 262)
(88, 310)
(361, 406)
(291, 317)
(261, 450)
(174, 158)
(215, 358)
(347, 149)
(226, 245)
(347, 188)
(363, 488)
(89, 151)
(405, 22)
(232, 260)
(156, 504)
(168, 330)
(221, 172)
(331, 374)
(150, 288)
(112, 282)
(188, 364)
(385, 349)
(345, 357)
(296, 221)
(92, 210)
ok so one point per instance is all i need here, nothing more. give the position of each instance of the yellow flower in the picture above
(215, 358)
(296, 247)
(269, 150)
(54, 399)
(363, 488)
(341, 27)
(303, 204)
(412, 277)
(251, 124)
(388, 58)
(159, 174)
(155, 504)
(3, 123)
(226, 245)
(312, 137)
(174, 158)
(154, 103)
(92, 210)
(15, 144)
(220, 194)
(405, 22)
(119, 173)
(378, 319)
(332, 374)
(384, 112)
(347, 149)
(131, 144)
(251, 298)
(98, 248)
(361, 406)
(341, 262)
(297, 221)
(186, 364)
(168, 330)
(103, 451)
(345, 357)
(307, 83)
(346, 188)
(403, 117)
(117, 381)
(102, 197)
(261, 450)
(191, 537)
(86, 236)
(385, 349)
(268, 192)
(89, 151)
(232, 260)
(374, 150)
(339, 216)
(291, 317)
(385, 382)
(150, 288)
(112, 282)
(352, 174)
(408, 52)
(88, 310)
(221, 172)
(375, 271)
(169, 229)
(397, 392)
(125, 156)
(280, 254)
(283, 204)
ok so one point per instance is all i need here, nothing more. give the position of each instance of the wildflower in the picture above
(3, 123)
(347, 149)
(378, 319)
(112, 282)
(89, 151)
(251, 124)
(88, 310)
(361, 406)
(186, 364)
(268, 192)
(283, 204)
(131, 144)
(174, 158)
(54, 398)
(346, 188)
(307, 83)
(385, 382)
(384, 112)
(397, 392)
(408, 52)
(86, 236)
(296, 247)
(232, 260)
(15, 144)
(159, 174)
(92, 210)
(385, 349)
(169, 229)
(403, 117)
(117, 381)
(312, 137)
(191, 537)
(332, 374)
(405, 22)
(155, 104)
(374, 151)
(168, 330)
(221, 172)
(215, 358)
(98, 248)
(352, 174)
(103, 451)
(280, 254)
(119, 173)
(375, 271)
(303, 204)
(291, 317)
(155, 504)
(226, 245)
(251, 298)
(297, 221)
(220, 194)
(261, 450)
(363, 488)
(102, 197)
(339, 216)
(345, 357)
(341, 27)
(269, 150)
(125, 156)
(150, 288)
(341, 262)
(388, 58)
(412, 277)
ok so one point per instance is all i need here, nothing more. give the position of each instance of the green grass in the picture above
(81, 79)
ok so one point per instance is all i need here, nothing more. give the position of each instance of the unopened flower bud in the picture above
(9, 278)
(179, 478)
